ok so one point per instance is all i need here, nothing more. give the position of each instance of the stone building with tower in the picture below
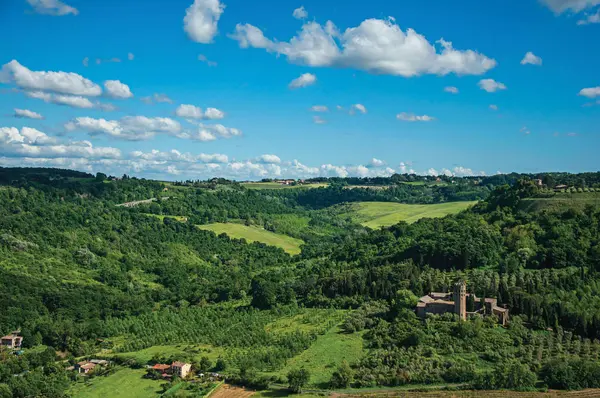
(456, 302)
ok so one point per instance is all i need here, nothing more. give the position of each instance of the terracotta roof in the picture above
(443, 302)
(178, 364)
(9, 337)
(88, 365)
(426, 299)
(160, 366)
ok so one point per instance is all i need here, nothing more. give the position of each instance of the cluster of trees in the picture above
(405, 350)
(33, 374)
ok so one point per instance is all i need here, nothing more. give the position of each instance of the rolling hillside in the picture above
(562, 200)
(384, 214)
(255, 234)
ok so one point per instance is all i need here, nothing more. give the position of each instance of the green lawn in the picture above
(256, 234)
(384, 214)
(125, 383)
(276, 185)
(325, 354)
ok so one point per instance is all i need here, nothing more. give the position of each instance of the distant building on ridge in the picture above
(456, 302)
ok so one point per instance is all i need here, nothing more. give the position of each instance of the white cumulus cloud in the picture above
(209, 132)
(52, 7)
(358, 108)
(575, 6)
(158, 98)
(531, 59)
(590, 92)
(194, 112)
(201, 20)
(116, 89)
(269, 159)
(377, 162)
(132, 128)
(590, 19)
(26, 113)
(75, 101)
(213, 114)
(490, 85)
(305, 80)
(32, 143)
(191, 111)
(58, 82)
(376, 46)
(411, 117)
(300, 13)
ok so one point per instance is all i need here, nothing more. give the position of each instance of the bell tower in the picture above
(460, 299)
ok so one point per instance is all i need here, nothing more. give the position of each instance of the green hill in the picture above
(562, 200)
(384, 214)
(256, 234)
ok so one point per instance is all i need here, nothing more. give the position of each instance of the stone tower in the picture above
(460, 299)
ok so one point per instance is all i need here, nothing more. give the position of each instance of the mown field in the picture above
(383, 214)
(326, 354)
(276, 185)
(124, 383)
(256, 234)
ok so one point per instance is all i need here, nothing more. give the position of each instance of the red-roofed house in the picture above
(12, 341)
(181, 369)
(85, 367)
(161, 367)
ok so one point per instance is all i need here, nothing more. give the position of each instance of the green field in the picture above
(256, 234)
(326, 354)
(276, 185)
(124, 383)
(384, 214)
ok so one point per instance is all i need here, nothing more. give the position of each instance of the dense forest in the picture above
(76, 271)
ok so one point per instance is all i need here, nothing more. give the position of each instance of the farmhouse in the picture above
(85, 367)
(456, 302)
(12, 341)
(181, 369)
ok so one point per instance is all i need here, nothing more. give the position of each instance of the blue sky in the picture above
(211, 94)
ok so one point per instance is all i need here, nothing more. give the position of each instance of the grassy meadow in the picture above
(323, 357)
(383, 214)
(124, 383)
(256, 234)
